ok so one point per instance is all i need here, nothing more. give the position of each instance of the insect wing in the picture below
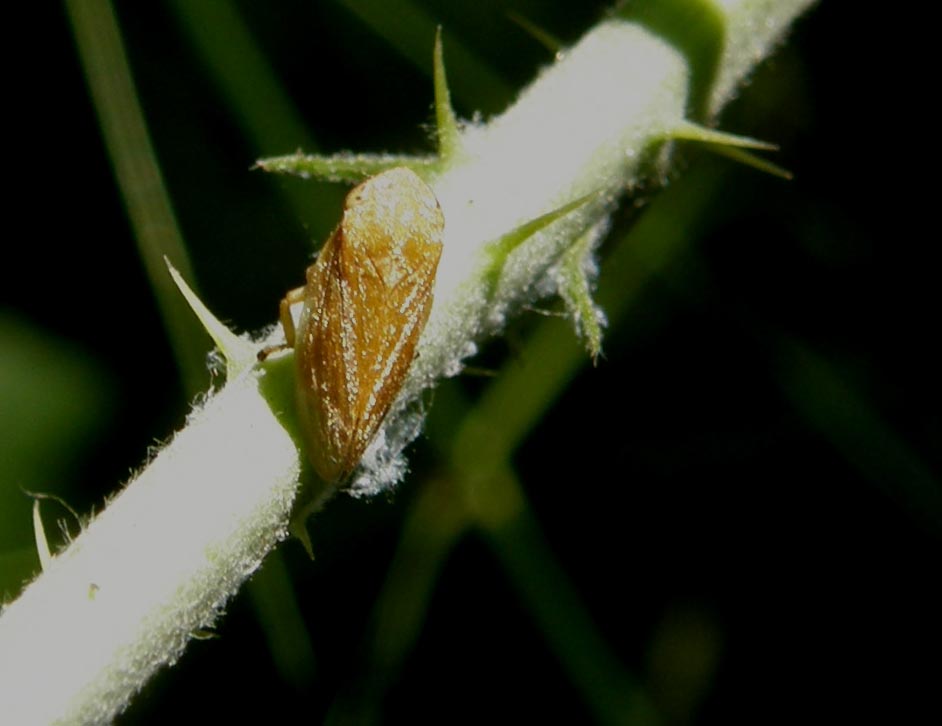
(321, 381)
(370, 296)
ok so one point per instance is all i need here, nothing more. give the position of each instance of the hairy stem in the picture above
(167, 553)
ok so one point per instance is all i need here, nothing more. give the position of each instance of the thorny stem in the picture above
(125, 597)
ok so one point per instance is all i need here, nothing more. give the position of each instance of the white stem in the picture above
(166, 554)
(153, 568)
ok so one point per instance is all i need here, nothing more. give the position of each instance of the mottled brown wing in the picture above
(367, 300)
(319, 344)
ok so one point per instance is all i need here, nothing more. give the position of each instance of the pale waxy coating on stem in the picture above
(366, 301)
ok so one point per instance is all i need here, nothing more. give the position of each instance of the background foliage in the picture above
(744, 494)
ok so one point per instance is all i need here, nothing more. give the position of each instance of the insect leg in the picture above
(292, 297)
(287, 323)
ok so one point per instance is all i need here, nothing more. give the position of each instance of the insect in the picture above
(366, 301)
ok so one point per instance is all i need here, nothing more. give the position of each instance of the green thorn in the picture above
(689, 131)
(732, 146)
(750, 159)
(239, 352)
(498, 250)
(298, 528)
(354, 168)
(577, 295)
(350, 168)
(449, 137)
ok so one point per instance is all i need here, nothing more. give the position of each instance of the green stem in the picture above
(127, 140)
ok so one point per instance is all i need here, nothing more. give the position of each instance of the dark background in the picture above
(745, 490)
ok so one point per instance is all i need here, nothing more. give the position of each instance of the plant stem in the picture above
(153, 568)
(167, 553)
